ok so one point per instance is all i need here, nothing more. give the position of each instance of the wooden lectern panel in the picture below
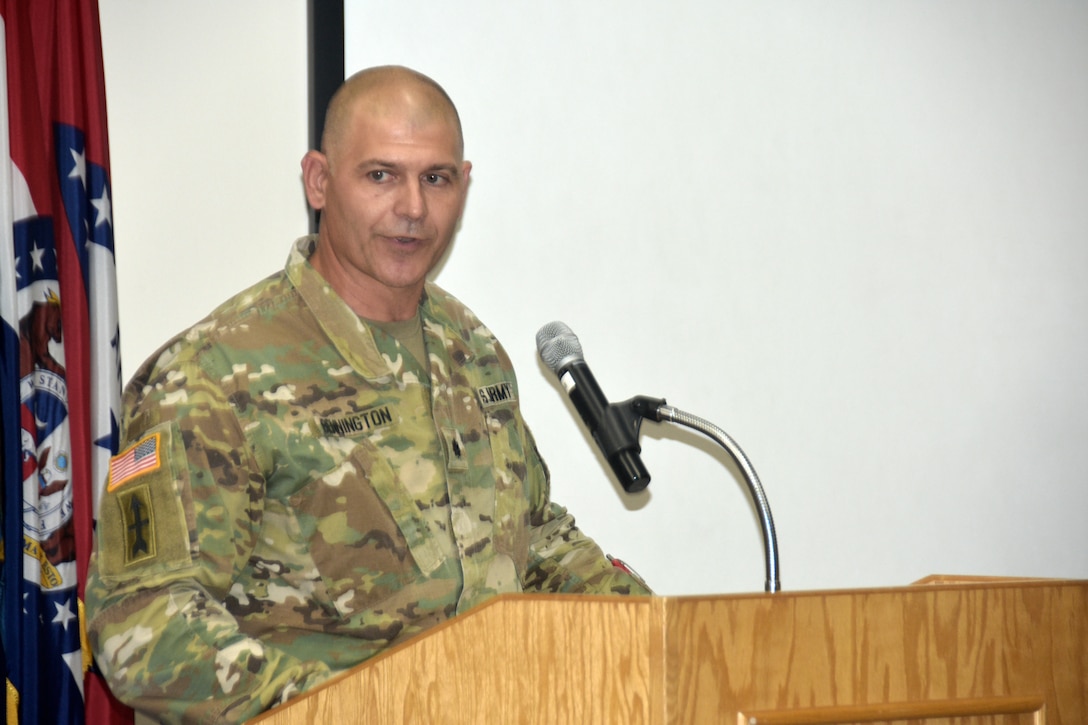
(974, 653)
(527, 659)
(1012, 652)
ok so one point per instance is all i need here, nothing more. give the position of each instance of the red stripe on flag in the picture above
(55, 77)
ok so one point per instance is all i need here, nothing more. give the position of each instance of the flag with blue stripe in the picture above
(60, 366)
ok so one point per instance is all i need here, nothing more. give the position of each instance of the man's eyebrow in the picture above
(450, 168)
(370, 163)
(453, 169)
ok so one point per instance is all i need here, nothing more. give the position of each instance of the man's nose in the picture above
(411, 202)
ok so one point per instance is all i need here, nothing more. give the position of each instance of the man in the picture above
(334, 460)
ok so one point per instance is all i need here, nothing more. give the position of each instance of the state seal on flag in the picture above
(47, 495)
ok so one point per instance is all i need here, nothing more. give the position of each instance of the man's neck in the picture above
(369, 298)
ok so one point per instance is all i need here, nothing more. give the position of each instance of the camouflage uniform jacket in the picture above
(291, 500)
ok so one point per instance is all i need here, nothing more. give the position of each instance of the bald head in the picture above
(388, 92)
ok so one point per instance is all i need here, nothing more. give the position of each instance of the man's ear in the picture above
(315, 173)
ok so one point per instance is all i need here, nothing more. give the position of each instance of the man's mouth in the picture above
(405, 241)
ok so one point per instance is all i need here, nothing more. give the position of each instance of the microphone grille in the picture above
(558, 346)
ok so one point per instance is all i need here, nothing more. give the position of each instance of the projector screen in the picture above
(853, 235)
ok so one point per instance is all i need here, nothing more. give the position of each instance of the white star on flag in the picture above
(36, 255)
(105, 210)
(79, 169)
(64, 614)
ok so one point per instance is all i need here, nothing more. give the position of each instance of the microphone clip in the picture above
(618, 433)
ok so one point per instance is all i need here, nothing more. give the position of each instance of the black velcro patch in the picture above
(138, 520)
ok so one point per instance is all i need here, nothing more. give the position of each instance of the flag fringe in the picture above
(13, 704)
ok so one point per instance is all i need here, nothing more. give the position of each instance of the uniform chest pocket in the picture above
(351, 532)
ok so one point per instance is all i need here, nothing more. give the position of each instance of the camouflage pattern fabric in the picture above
(296, 493)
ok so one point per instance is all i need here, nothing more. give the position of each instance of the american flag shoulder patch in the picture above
(143, 457)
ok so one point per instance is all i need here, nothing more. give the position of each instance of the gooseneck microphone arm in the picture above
(615, 428)
(657, 410)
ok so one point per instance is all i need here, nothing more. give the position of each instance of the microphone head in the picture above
(558, 346)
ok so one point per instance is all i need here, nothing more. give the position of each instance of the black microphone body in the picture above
(614, 427)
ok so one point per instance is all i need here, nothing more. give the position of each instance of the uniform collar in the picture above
(348, 333)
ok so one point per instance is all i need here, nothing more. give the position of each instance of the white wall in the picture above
(851, 234)
(208, 121)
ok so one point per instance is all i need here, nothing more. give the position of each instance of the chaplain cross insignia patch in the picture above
(138, 519)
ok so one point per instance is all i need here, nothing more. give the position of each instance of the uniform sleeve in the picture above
(561, 557)
(177, 522)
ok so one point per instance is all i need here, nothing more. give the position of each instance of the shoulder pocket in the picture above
(146, 515)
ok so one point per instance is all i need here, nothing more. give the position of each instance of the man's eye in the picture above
(434, 179)
(378, 175)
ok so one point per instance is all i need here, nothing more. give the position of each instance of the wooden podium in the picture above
(941, 651)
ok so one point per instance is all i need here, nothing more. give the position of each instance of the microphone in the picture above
(614, 427)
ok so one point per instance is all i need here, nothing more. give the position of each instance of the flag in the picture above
(141, 458)
(60, 364)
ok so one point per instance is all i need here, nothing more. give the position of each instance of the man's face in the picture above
(391, 194)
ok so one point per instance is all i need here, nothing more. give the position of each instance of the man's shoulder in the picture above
(449, 310)
(227, 326)
(478, 340)
(260, 296)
